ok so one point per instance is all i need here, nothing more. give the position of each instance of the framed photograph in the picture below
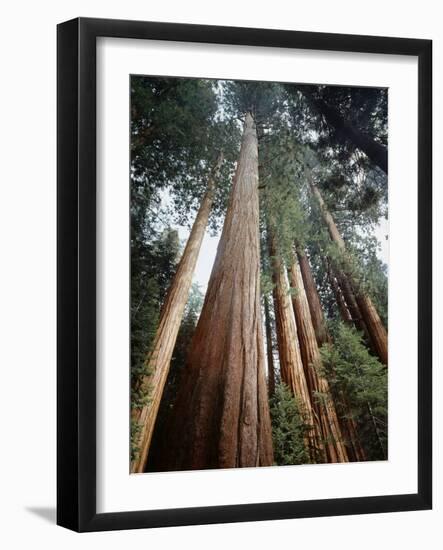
(244, 274)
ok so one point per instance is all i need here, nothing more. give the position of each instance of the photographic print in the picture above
(259, 274)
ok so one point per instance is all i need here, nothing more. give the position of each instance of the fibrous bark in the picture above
(345, 314)
(318, 385)
(315, 307)
(291, 363)
(221, 417)
(348, 425)
(171, 315)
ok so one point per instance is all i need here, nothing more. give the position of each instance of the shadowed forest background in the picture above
(278, 356)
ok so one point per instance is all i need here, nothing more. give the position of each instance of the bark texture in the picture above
(170, 319)
(349, 297)
(348, 425)
(375, 329)
(315, 307)
(291, 363)
(310, 353)
(221, 417)
(345, 314)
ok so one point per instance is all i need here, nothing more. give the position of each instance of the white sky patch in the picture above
(206, 257)
(382, 235)
(116, 490)
(209, 246)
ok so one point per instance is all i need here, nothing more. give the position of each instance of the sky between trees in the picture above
(273, 198)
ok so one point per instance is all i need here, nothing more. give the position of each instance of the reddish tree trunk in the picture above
(323, 404)
(347, 423)
(291, 364)
(376, 331)
(315, 307)
(221, 418)
(171, 316)
(345, 314)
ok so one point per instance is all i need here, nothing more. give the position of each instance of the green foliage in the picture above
(354, 189)
(283, 195)
(178, 128)
(176, 137)
(365, 109)
(353, 372)
(163, 110)
(135, 434)
(152, 268)
(262, 99)
(361, 261)
(187, 328)
(178, 363)
(288, 429)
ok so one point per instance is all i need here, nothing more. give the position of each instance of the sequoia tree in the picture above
(315, 307)
(349, 429)
(291, 363)
(221, 417)
(200, 398)
(159, 358)
(318, 385)
(376, 330)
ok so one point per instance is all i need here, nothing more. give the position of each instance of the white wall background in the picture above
(27, 274)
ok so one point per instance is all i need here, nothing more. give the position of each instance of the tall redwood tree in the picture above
(323, 404)
(221, 417)
(291, 363)
(374, 325)
(171, 316)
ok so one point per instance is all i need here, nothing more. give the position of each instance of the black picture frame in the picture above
(76, 274)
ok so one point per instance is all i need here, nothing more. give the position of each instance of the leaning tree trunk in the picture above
(291, 364)
(315, 307)
(349, 426)
(345, 314)
(347, 423)
(318, 385)
(269, 350)
(159, 359)
(377, 332)
(350, 302)
(221, 417)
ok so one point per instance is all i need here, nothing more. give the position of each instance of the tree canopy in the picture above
(321, 160)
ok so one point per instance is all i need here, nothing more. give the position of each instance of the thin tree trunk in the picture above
(269, 350)
(349, 426)
(159, 359)
(347, 423)
(315, 307)
(375, 151)
(377, 432)
(345, 314)
(323, 404)
(376, 330)
(221, 418)
(348, 295)
(291, 363)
